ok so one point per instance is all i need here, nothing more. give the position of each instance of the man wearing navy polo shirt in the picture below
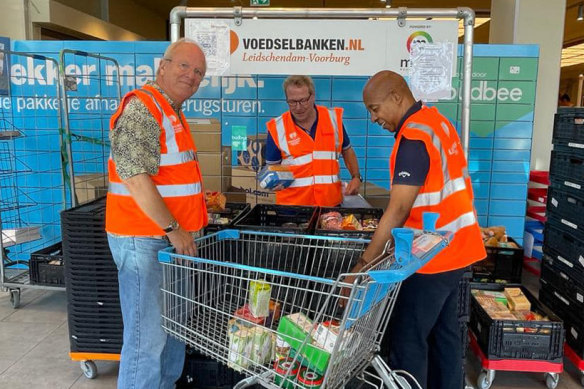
(314, 158)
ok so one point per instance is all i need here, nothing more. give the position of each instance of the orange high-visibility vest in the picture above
(447, 190)
(314, 162)
(178, 180)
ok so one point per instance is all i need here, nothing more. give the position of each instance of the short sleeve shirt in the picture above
(412, 161)
(274, 155)
(135, 140)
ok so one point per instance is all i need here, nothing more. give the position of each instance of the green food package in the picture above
(293, 329)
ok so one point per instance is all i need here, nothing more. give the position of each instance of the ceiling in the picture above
(573, 53)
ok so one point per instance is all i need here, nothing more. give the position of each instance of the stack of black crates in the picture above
(562, 272)
(93, 304)
(464, 316)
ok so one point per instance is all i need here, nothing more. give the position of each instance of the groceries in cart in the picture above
(259, 298)
(510, 304)
(248, 344)
(335, 221)
(297, 336)
(238, 272)
(275, 177)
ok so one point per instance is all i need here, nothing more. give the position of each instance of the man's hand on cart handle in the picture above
(345, 292)
(183, 242)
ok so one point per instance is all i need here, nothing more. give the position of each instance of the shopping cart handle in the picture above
(406, 262)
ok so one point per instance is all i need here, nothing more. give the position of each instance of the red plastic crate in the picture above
(540, 176)
(537, 212)
(537, 194)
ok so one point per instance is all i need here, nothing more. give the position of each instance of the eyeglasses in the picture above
(302, 102)
(185, 67)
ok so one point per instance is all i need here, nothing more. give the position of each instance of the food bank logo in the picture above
(418, 37)
(287, 43)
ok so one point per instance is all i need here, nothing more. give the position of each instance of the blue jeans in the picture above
(150, 358)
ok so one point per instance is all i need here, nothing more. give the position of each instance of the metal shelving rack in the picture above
(32, 189)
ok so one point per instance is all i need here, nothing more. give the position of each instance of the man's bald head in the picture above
(387, 97)
(386, 82)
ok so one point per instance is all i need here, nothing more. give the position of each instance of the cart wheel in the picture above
(582, 379)
(483, 382)
(15, 298)
(552, 380)
(89, 369)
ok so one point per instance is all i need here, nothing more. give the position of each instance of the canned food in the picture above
(309, 379)
(286, 370)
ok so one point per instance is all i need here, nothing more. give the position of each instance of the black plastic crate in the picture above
(566, 247)
(569, 126)
(464, 297)
(575, 335)
(558, 276)
(233, 211)
(279, 218)
(565, 207)
(566, 165)
(517, 339)
(205, 373)
(46, 266)
(501, 265)
(360, 214)
(464, 339)
(563, 305)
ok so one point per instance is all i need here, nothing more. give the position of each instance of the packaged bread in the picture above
(502, 315)
(497, 232)
(492, 242)
(370, 224)
(490, 305)
(516, 300)
(508, 245)
(351, 223)
(215, 201)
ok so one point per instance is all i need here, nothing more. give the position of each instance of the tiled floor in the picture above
(34, 349)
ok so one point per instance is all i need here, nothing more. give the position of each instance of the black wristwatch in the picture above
(173, 225)
(359, 177)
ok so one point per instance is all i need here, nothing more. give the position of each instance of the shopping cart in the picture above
(206, 303)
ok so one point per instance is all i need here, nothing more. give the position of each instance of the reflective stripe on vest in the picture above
(174, 158)
(171, 145)
(333, 117)
(464, 220)
(435, 198)
(437, 144)
(309, 181)
(283, 141)
(170, 159)
(177, 190)
(308, 158)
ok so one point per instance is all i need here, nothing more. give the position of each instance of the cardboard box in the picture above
(260, 197)
(207, 141)
(216, 183)
(243, 178)
(91, 186)
(210, 163)
(253, 157)
(204, 125)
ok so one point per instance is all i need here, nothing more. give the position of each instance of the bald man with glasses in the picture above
(309, 139)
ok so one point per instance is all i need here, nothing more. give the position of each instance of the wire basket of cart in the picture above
(267, 304)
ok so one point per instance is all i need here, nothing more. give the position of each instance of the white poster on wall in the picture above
(325, 47)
